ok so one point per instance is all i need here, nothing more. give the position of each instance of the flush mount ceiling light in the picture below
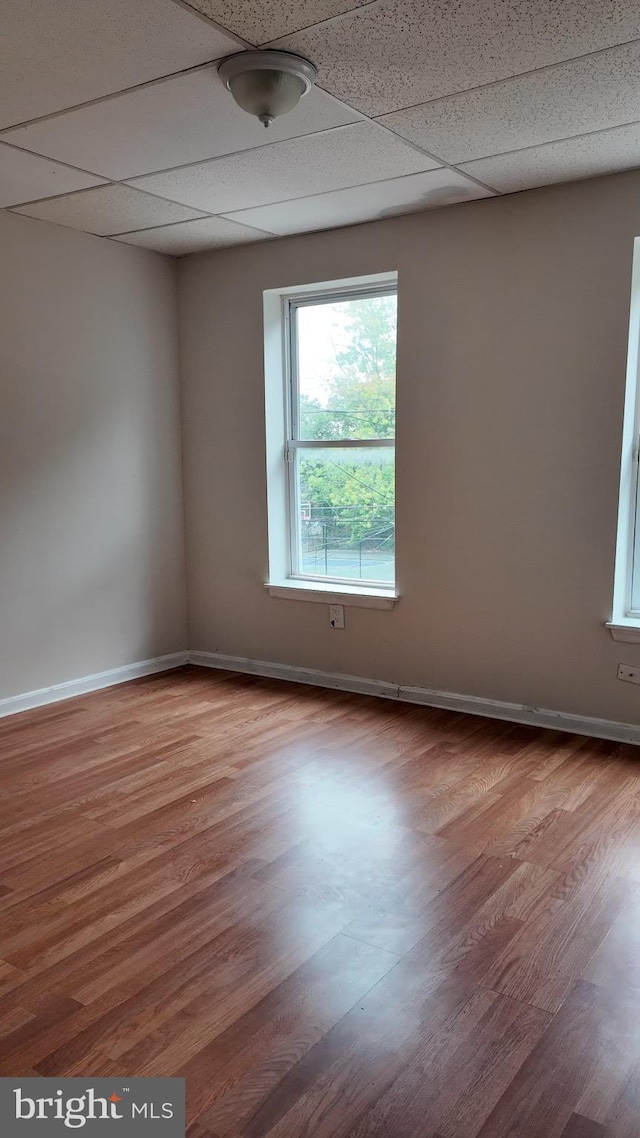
(267, 83)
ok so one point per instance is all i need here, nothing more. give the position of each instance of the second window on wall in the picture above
(340, 451)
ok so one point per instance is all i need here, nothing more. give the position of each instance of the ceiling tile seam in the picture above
(337, 225)
(53, 197)
(184, 165)
(421, 150)
(48, 221)
(62, 111)
(441, 164)
(246, 150)
(301, 197)
(142, 248)
(55, 162)
(202, 161)
(340, 16)
(190, 221)
(480, 86)
(109, 180)
(88, 189)
(214, 249)
(117, 237)
(508, 79)
(454, 165)
(542, 145)
(321, 23)
(232, 214)
(204, 19)
(66, 225)
(204, 158)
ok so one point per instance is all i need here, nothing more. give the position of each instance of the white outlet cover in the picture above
(336, 616)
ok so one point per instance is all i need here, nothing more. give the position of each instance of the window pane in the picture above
(347, 515)
(635, 573)
(347, 368)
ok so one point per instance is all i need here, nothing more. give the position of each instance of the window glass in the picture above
(347, 513)
(341, 450)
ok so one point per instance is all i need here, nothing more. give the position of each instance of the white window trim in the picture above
(625, 622)
(330, 594)
(282, 583)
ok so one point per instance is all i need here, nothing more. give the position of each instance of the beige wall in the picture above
(513, 320)
(91, 535)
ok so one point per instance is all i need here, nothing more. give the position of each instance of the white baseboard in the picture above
(67, 690)
(428, 697)
(452, 701)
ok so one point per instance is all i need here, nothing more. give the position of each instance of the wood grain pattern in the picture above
(333, 915)
(580, 1127)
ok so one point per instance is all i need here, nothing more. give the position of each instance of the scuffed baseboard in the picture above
(428, 697)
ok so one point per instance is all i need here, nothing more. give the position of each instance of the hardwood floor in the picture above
(333, 915)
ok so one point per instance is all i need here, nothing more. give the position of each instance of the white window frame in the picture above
(281, 408)
(625, 620)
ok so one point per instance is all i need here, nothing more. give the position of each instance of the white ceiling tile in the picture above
(564, 161)
(259, 22)
(194, 236)
(348, 156)
(176, 121)
(25, 177)
(396, 53)
(364, 203)
(63, 52)
(108, 210)
(588, 94)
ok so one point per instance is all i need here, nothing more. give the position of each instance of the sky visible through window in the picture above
(346, 378)
(322, 332)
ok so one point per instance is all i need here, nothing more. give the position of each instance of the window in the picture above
(330, 361)
(625, 622)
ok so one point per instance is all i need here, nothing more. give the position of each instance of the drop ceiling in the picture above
(113, 119)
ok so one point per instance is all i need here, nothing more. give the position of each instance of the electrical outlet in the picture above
(336, 617)
(631, 675)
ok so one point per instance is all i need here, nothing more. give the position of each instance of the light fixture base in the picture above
(267, 83)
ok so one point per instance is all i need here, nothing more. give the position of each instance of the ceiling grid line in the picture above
(212, 62)
(547, 67)
(184, 4)
(323, 23)
(140, 90)
(112, 95)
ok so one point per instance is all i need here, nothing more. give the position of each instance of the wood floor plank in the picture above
(574, 1050)
(239, 979)
(333, 915)
(438, 1082)
(244, 1064)
(344, 1075)
(553, 949)
(580, 1127)
(128, 981)
(622, 1120)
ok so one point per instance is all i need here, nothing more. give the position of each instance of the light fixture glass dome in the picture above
(267, 83)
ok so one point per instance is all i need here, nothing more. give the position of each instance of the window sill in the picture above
(625, 629)
(366, 598)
